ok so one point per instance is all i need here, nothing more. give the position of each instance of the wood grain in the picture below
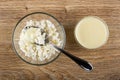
(106, 60)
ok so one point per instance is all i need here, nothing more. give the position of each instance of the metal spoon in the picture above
(82, 63)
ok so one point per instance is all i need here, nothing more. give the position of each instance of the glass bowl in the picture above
(37, 16)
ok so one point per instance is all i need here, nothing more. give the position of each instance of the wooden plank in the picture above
(106, 60)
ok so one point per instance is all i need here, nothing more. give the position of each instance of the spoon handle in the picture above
(82, 63)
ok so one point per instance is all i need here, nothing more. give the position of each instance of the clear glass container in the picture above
(37, 16)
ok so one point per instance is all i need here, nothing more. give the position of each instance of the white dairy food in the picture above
(91, 32)
(41, 33)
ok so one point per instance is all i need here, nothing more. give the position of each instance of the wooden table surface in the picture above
(106, 60)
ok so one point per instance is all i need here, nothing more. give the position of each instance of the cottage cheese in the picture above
(41, 33)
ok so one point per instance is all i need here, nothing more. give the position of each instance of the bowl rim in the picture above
(13, 46)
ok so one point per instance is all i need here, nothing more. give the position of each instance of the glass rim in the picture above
(101, 21)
